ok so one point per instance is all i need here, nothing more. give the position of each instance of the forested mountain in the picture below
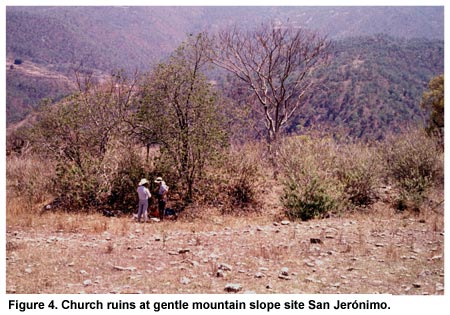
(372, 84)
(130, 37)
(372, 81)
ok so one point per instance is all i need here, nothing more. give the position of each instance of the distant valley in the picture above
(380, 64)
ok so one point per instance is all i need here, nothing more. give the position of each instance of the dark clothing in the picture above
(161, 208)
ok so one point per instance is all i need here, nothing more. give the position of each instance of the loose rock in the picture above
(185, 280)
(225, 267)
(315, 241)
(120, 268)
(233, 287)
(284, 277)
(220, 274)
(87, 282)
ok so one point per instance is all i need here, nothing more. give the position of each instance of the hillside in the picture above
(372, 81)
(28, 83)
(387, 254)
(372, 84)
(129, 37)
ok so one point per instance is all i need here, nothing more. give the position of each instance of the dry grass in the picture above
(370, 250)
(384, 252)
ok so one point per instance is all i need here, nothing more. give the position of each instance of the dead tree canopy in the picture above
(275, 63)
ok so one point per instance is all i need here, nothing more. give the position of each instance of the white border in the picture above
(399, 304)
(227, 3)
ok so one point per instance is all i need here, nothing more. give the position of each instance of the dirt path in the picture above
(398, 255)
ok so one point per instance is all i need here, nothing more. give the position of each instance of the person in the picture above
(162, 197)
(144, 194)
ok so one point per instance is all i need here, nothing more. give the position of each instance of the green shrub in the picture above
(234, 182)
(244, 177)
(310, 187)
(123, 195)
(413, 163)
(358, 169)
(307, 202)
(80, 188)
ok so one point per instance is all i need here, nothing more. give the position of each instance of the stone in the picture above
(285, 222)
(437, 257)
(439, 287)
(311, 279)
(195, 263)
(120, 268)
(220, 274)
(87, 282)
(233, 287)
(225, 267)
(284, 277)
(185, 280)
(285, 271)
(315, 241)
(213, 256)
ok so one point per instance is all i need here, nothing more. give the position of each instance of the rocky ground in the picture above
(398, 254)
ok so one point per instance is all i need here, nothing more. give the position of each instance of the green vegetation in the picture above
(414, 164)
(179, 112)
(371, 85)
(339, 127)
(81, 136)
(433, 103)
(24, 93)
(372, 82)
(322, 176)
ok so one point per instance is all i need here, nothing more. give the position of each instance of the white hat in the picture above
(143, 181)
(158, 180)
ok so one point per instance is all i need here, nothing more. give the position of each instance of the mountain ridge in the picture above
(106, 39)
(147, 34)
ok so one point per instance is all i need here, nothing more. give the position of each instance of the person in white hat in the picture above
(144, 194)
(162, 196)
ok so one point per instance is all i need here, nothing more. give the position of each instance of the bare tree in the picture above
(274, 62)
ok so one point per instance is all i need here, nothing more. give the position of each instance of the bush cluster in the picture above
(310, 189)
(323, 176)
(124, 183)
(358, 169)
(319, 176)
(309, 201)
(413, 164)
(234, 183)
